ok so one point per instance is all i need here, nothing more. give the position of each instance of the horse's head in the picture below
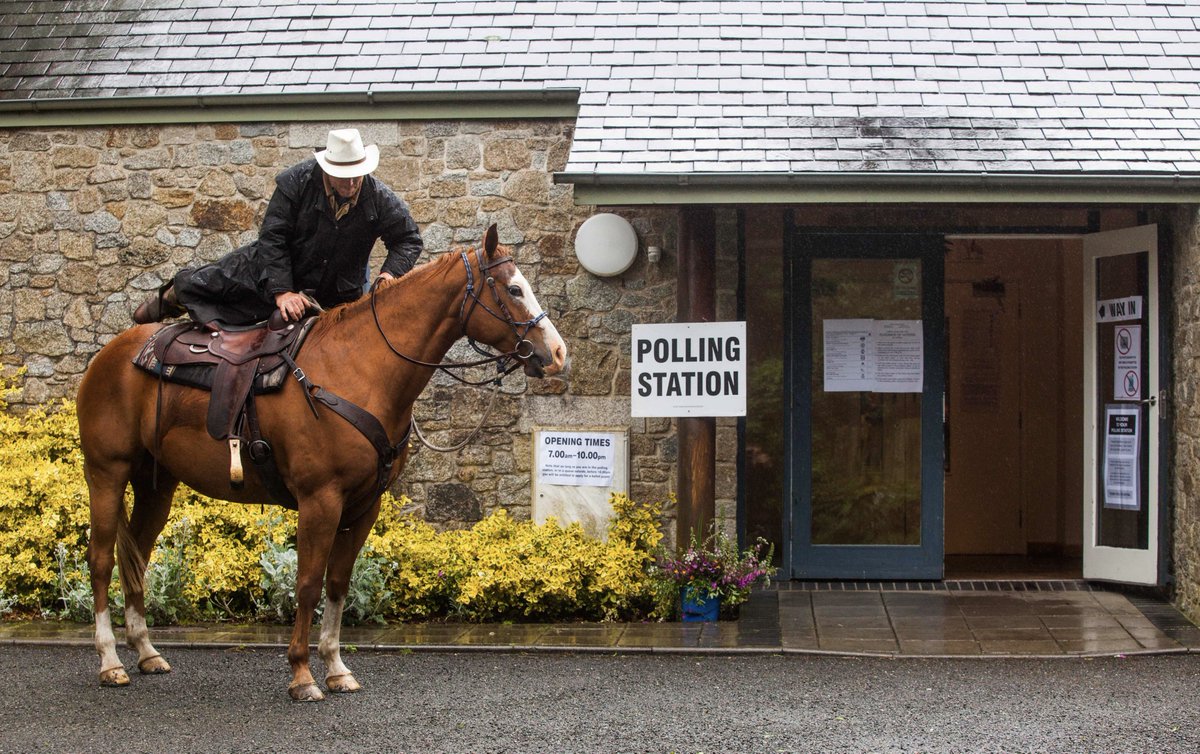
(503, 312)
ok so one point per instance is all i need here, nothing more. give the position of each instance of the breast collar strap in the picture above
(361, 419)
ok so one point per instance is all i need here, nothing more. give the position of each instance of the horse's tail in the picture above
(129, 556)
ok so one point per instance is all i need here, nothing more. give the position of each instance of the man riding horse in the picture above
(333, 440)
(316, 239)
(336, 439)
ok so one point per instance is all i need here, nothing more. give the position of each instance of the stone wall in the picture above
(92, 219)
(1186, 412)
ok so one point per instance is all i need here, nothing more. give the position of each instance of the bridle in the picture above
(520, 329)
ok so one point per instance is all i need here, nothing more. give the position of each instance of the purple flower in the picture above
(716, 568)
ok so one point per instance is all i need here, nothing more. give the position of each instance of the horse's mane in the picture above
(415, 279)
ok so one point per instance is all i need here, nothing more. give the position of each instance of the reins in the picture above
(470, 436)
(519, 328)
(523, 349)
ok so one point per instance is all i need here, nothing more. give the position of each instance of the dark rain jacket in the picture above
(302, 248)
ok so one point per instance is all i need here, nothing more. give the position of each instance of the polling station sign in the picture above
(688, 369)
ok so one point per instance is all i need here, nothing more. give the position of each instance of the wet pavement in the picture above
(912, 619)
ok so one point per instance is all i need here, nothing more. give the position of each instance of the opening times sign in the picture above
(577, 459)
(688, 369)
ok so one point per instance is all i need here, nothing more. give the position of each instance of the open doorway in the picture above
(1013, 409)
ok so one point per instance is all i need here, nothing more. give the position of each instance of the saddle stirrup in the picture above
(237, 475)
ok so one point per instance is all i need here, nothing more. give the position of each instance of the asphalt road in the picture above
(236, 701)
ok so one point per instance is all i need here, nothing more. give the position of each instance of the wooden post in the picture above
(697, 302)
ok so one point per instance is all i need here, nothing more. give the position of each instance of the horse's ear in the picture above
(491, 239)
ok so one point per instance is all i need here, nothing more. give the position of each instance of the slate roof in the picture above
(705, 86)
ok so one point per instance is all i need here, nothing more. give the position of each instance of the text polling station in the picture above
(688, 369)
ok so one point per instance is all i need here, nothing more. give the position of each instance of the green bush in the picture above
(226, 561)
(278, 583)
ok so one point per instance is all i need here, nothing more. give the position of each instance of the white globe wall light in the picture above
(606, 245)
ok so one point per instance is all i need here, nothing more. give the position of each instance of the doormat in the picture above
(949, 585)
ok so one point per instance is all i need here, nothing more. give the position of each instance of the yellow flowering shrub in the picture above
(43, 499)
(421, 568)
(503, 569)
(44, 504)
(523, 571)
(224, 547)
(213, 552)
(623, 586)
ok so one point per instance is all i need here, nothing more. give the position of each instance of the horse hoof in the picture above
(114, 677)
(155, 665)
(342, 684)
(307, 692)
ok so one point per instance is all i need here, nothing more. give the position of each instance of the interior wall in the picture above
(764, 462)
(1041, 279)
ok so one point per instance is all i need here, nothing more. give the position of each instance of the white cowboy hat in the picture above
(344, 155)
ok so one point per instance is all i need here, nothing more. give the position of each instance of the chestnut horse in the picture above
(132, 436)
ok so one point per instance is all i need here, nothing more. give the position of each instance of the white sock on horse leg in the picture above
(137, 635)
(106, 642)
(331, 638)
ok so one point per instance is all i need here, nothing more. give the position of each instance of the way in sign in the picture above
(1119, 309)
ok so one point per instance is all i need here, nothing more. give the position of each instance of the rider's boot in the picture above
(158, 306)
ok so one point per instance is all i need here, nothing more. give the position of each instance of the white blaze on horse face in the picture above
(555, 347)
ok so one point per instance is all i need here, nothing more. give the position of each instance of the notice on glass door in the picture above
(1127, 362)
(898, 356)
(849, 355)
(873, 355)
(1122, 451)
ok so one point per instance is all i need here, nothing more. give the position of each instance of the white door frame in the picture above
(1126, 565)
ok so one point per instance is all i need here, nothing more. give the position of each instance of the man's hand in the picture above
(382, 277)
(291, 305)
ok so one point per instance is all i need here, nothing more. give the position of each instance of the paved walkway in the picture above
(945, 619)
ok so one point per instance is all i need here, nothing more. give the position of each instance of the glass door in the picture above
(1121, 519)
(866, 411)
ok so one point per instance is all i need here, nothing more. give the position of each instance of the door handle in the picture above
(1151, 401)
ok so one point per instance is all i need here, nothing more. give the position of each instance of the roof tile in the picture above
(707, 85)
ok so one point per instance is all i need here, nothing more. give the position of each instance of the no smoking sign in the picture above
(1127, 362)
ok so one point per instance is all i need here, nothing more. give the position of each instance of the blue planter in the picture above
(697, 608)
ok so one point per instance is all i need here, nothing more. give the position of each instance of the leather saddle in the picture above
(233, 364)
